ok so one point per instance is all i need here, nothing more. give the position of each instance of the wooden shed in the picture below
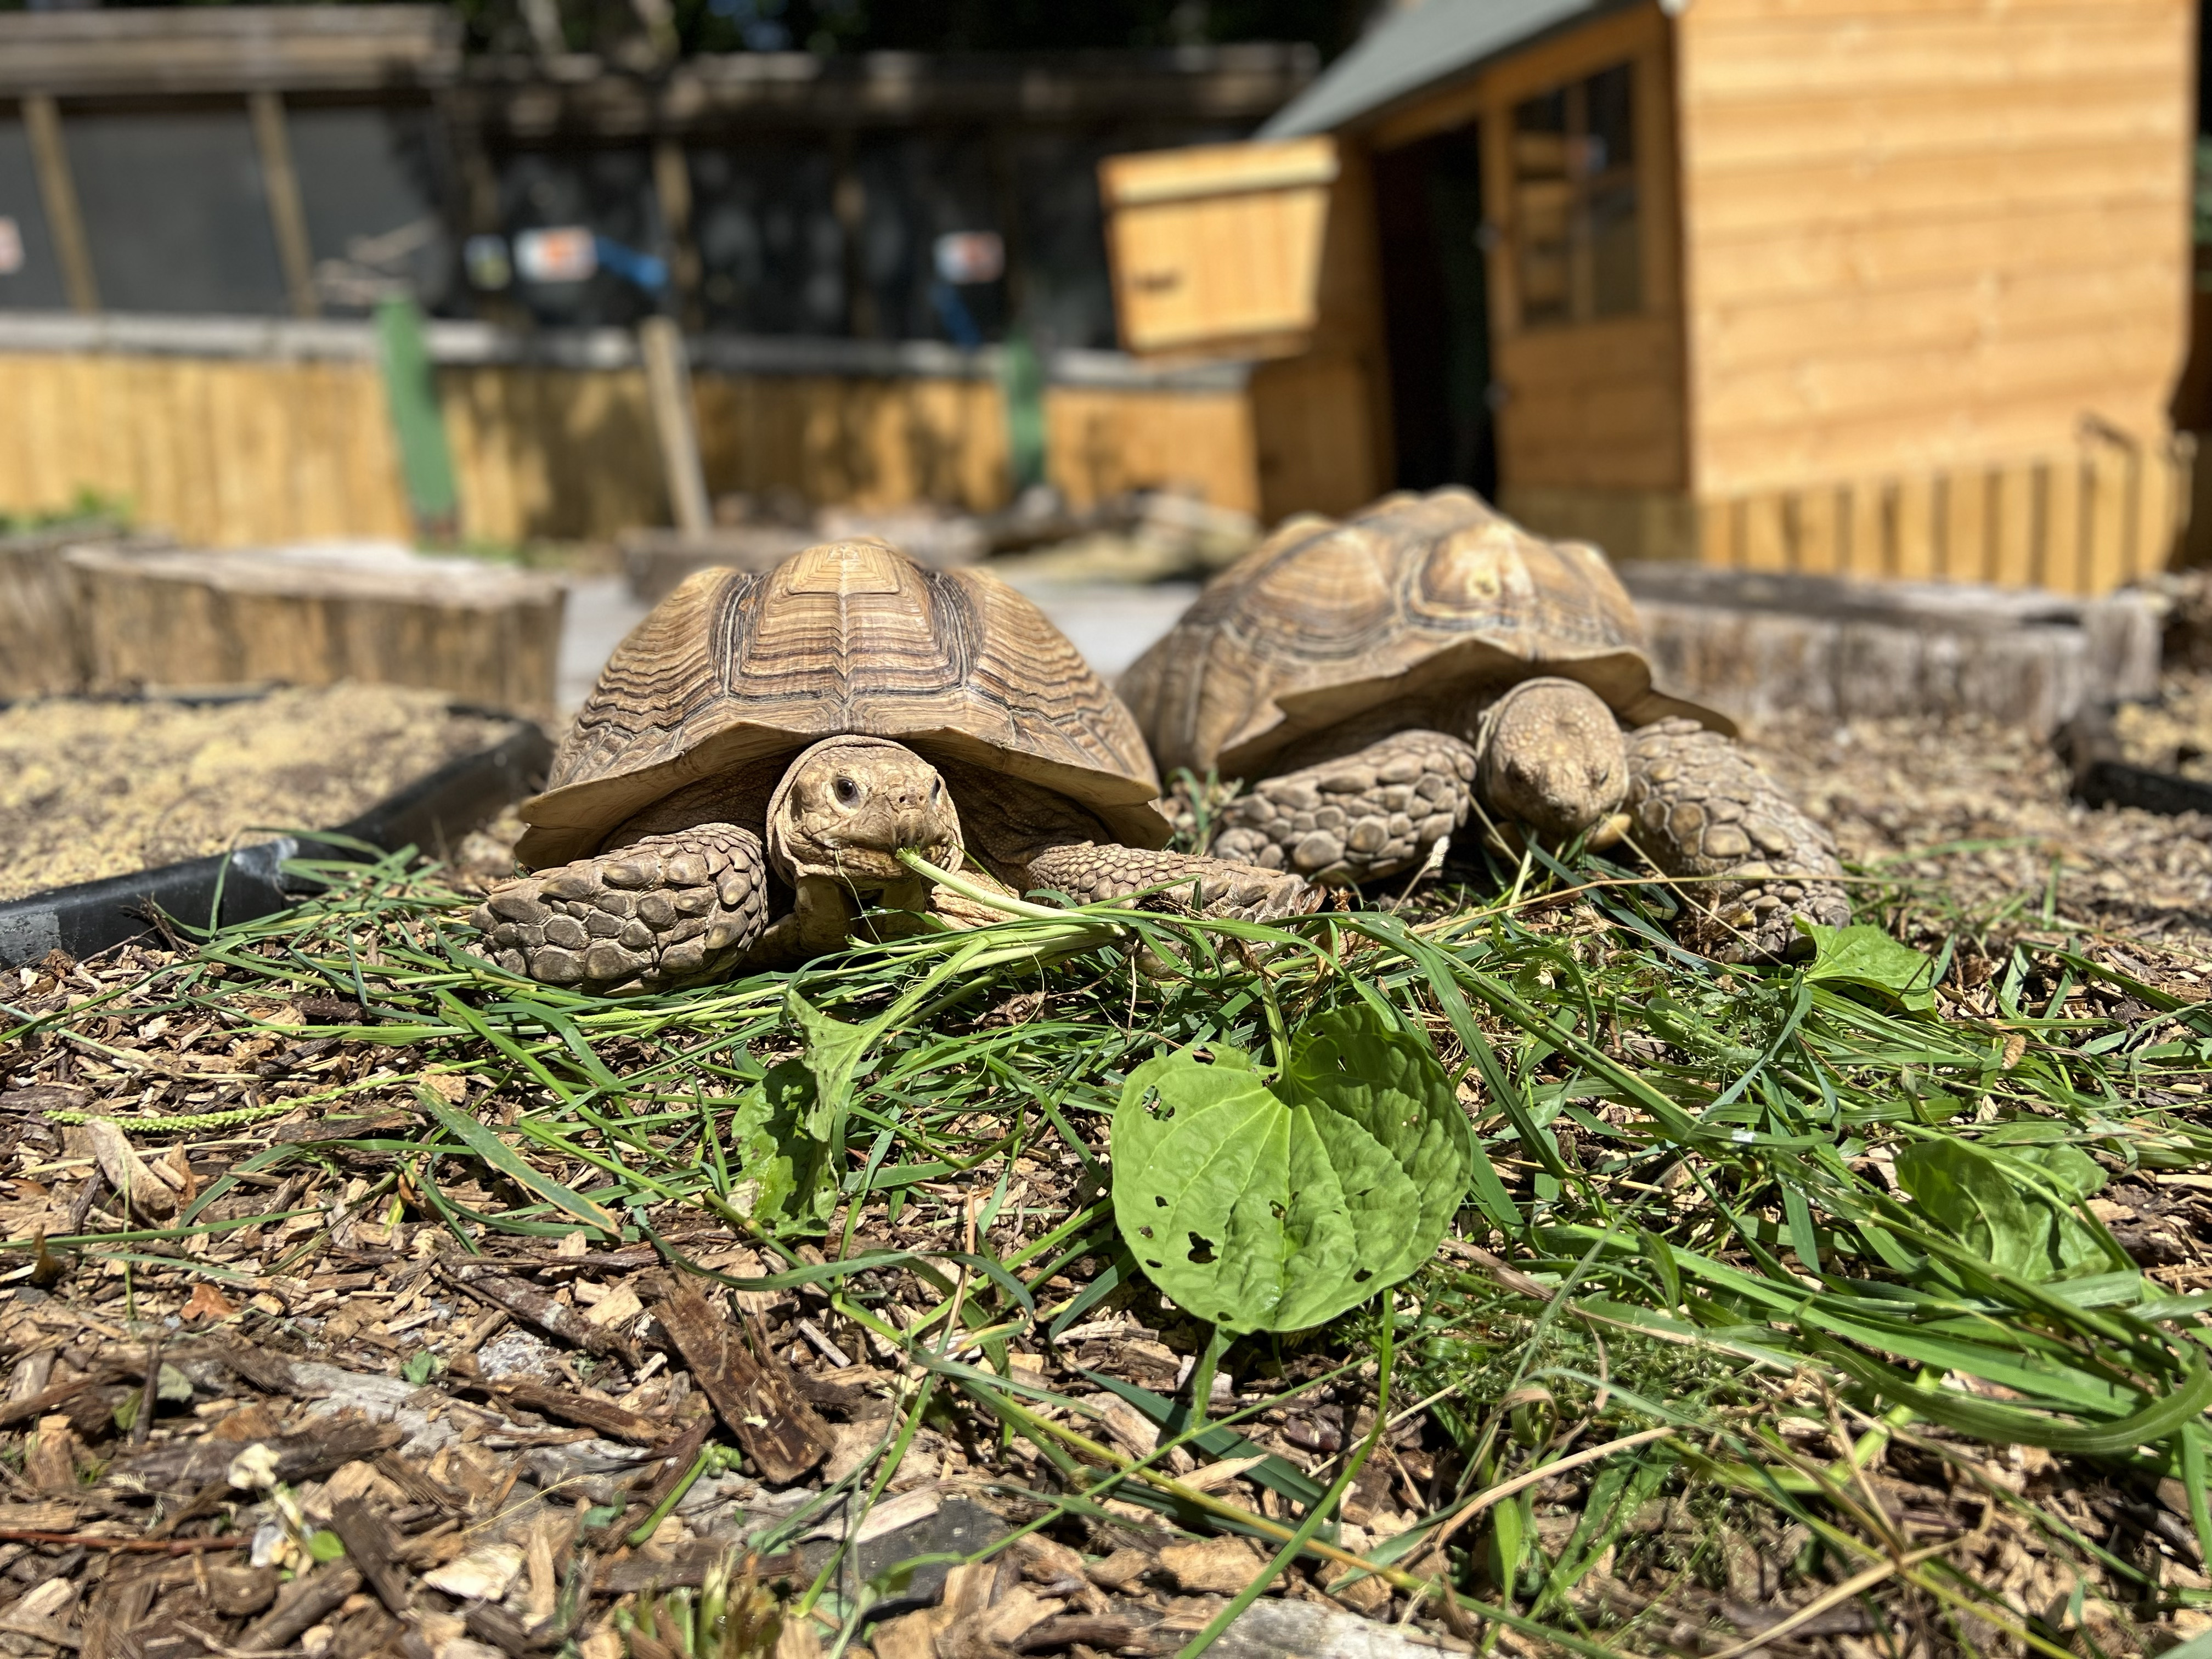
(1873, 286)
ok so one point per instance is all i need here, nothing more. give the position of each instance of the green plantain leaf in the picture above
(1350, 1065)
(2068, 1169)
(2006, 1214)
(1265, 1211)
(1863, 955)
(1227, 1199)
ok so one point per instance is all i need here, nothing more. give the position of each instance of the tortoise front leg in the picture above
(1091, 872)
(661, 912)
(1370, 813)
(1702, 807)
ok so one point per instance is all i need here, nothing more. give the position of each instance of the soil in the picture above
(493, 1430)
(91, 788)
(2173, 734)
(1979, 817)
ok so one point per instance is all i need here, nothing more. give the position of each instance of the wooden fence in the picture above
(243, 434)
(2085, 522)
(223, 453)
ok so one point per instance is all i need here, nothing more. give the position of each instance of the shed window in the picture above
(1574, 201)
(174, 209)
(371, 180)
(32, 277)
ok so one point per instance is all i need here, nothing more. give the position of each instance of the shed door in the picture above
(1216, 251)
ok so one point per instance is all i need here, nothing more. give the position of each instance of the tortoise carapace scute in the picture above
(1416, 596)
(848, 637)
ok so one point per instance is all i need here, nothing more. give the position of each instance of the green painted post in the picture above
(1021, 380)
(426, 465)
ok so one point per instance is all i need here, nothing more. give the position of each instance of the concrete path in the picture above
(600, 612)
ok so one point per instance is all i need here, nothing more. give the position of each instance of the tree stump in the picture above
(486, 634)
(41, 644)
(1756, 643)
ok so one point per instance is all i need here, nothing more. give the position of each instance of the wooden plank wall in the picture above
(1100, 441)
(1264, 253)
(226, 452)
(1928, 236)
(2086, 520)
(1218, 248)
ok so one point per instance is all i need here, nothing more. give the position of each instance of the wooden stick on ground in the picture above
(780, 1432)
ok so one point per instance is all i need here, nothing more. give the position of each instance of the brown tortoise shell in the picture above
(845, 638)
(1412, 598)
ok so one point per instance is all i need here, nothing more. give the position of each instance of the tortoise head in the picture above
(1549, 753)
(847, 806)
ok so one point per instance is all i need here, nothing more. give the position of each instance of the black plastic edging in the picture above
(2116, 783)
(93, 916)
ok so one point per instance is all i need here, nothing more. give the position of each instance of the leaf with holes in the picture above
(1388, 1081)
(1261, 1210)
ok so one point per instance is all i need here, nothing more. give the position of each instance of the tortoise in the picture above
(762, 746)
(1373, 679)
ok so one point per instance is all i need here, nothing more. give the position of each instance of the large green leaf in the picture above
(1265, 1211)
(1389, 1082)
(1227, 1198)
(2070, 1170)
(2005, 1213)
(1863, 955)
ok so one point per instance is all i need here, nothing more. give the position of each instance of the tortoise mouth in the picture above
(847, 806)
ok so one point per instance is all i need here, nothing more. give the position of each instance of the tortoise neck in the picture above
(1008, 820)
(739, 795)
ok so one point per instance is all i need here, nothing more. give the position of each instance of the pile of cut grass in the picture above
(1693, 1360)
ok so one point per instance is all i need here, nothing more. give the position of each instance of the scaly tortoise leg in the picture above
(1092, 871)
(664, 911)
(1370, 813)
(1702, 807)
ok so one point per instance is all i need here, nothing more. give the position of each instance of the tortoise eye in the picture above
(849, 792)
